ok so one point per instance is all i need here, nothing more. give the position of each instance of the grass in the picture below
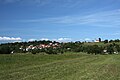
(59, 67)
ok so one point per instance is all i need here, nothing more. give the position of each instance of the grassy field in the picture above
(59, 67)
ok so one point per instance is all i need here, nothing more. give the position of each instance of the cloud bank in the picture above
(10, 39)
(58, 40)
(62, 39)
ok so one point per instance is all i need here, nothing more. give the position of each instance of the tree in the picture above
(106, 41)
(99, 39)
(118, 47)
(51, 51)
(117, 40)
(110, 49)
(5, 49)
(111, 41)
(34, 51)
(94, 49)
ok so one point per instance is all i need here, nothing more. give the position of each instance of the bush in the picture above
(34, 51)
(5, 49)
(94, 49)
(110, 49)
(51, 51)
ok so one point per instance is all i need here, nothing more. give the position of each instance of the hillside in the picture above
(53, 47)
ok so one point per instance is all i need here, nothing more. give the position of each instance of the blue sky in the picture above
(60, 20)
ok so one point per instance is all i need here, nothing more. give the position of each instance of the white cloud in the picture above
(58, 40)
(46, 39)
(87, 39)
(32, 39)
(101, 19)
(10, 39)
(62, 39)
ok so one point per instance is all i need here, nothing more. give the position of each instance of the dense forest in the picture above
(53, 47)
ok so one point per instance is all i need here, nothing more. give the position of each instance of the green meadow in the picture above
(69, 66)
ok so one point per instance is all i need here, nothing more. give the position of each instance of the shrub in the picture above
(5, 49)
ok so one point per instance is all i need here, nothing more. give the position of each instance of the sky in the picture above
(59, 20)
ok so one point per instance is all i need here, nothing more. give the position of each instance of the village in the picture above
(40, 46)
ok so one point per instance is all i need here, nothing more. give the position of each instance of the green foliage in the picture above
(111, 46)
(51, 51)
(116, 40)
(110, 49)
(117, 47)
(100, 40)
(5, 49)
(94, 49)
(54, 51)
(106, 41)
(34, 51)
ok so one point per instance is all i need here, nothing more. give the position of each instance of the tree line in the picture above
(109, 47)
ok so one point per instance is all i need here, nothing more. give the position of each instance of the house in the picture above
(97, 41)
(42, 46)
